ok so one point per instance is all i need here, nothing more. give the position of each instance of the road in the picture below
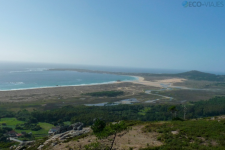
(16, 140)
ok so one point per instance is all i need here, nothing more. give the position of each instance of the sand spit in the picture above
(158, 83)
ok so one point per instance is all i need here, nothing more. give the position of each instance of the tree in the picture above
(32, 120)
(185, 110)
(173, 110)
(98, 126)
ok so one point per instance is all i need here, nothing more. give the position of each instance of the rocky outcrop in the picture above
(66, 135)
(64, 132)
(75, 126)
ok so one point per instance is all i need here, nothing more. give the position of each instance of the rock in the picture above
(77, 125)
(55, 143)
(40, 147)
(66, 135)
(80, 127)
(19, 148)
(175, 132)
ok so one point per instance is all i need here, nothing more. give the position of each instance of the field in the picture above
(11, 122)
(130, 91)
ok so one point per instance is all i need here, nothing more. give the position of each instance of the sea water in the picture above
(14, 76)
(21, 76)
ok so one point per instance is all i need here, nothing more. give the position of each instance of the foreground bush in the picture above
(111, 129)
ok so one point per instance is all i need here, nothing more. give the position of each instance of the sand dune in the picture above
(157, 83)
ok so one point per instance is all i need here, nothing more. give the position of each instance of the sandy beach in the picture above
(157, 83)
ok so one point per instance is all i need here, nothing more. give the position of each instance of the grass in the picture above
(11, 122)
(67, 123)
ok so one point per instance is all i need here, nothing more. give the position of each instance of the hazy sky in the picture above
(133, 33)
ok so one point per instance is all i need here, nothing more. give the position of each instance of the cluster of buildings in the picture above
(14, 134)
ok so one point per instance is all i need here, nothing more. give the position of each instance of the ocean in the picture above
(17, 76)
(29, 76)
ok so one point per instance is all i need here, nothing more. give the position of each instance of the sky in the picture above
(127, 33)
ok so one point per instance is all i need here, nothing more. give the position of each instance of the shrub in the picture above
(98, 126)
(111, 129)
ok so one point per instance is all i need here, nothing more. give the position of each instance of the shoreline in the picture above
(137, 80)
(56, 93)
(62, 86)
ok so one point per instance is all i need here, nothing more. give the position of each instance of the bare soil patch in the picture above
(134, 138)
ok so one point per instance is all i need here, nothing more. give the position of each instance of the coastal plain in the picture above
(147, 89)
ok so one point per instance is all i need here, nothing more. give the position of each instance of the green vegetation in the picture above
(191, 75)
(101, 130)
(197, 75)
(4, 142)
(144, 111)
(28, 126)
(5, 113)
(105, 93)
(23, 115)
(40, 133)
(212, 107)
(173, 110)
(67, 123)
(13, 122)
(7, 144)
(98, 126)
(220, 84)
(147, 112)
(193, 134)
(190, 95)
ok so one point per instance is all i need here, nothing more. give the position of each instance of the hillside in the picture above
(197, 75)
(194, 134)
(193, 75)
(153, 130)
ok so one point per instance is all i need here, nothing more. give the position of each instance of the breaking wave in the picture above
(30, 70)
(16, 83)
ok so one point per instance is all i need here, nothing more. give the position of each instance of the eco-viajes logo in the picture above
(202, 4)
(185, 3)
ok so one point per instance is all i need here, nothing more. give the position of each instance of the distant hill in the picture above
(193, 75)
(197, 75)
